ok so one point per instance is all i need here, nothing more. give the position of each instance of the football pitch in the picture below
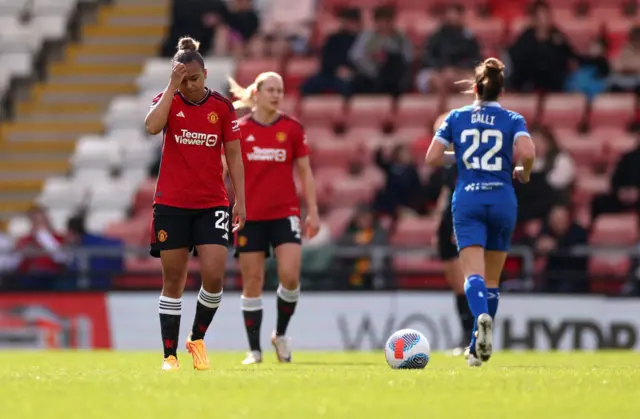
(520, 385)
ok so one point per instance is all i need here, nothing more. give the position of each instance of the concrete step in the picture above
(34, 131)
(113, 59)
(40, 175)
(104, 79)
(13, 208)
(135, 8)
(64, 146)
(71, 69)
(32, 156)
(78, 99)
(51, 118)
(18, 196)
(160, 21)
(24, 185)
(74, 88)
(119, 40)
(35, 107)
(22, 166)
(132, 31)
(75, 52)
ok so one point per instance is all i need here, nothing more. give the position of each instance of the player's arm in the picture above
(437, 155)
(525, 151)
(303, 167)
(233, 157)
(158, 116)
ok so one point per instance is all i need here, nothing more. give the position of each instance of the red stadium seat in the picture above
(525, 104)
(369, 138)
(289, 105)
(563, 110)
(581, 32)
(615, 142)
(414, 232)
(588, 185)
(584, 149)
(332, 153)
(609, 266)
(351, 191)
(338, 220)
(322, 111)
(615, 230)
(613, 109)
(248, 70)
(297, 71)
(416, 110)
(489, 32)
(369, 110)
(458, 100)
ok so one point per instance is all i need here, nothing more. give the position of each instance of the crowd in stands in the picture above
(369, 51)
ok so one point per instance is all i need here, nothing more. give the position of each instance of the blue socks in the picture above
(493, 297)
(476, 291)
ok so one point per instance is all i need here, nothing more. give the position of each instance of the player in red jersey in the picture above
(190, 208)
(273, 145)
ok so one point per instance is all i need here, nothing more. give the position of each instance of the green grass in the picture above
(47, 385)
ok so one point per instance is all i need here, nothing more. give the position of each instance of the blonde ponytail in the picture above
(244, 95)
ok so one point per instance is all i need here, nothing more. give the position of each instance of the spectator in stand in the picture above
(624, 194)
(626, 66)
(632, 287)
(382, 56)
(542, 55)
(336, 70)
(450, 54)
(552, 178)
(564, 272)
(403, 188)
(243, 24)
(591, 76)
(101, 266)
(42, 258)
(363, 230)
(198, 18)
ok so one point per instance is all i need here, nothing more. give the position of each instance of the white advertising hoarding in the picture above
(363, 321)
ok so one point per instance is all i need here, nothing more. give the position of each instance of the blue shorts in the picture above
(488, 225)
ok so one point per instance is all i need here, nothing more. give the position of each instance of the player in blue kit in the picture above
(486, 139)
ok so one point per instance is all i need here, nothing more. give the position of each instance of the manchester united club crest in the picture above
(162, 236)
(213, 118)
(242, 241)
(281, 137)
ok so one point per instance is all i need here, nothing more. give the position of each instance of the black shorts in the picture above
(176, 228)
(447, 248)
(261, 236)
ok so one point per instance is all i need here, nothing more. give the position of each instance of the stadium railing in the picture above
(380, 271)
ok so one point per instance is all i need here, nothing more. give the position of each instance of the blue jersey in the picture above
(482, 135)
(484, 204)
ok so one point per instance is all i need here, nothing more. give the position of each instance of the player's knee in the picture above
(212, 280)
(252, 285)
(289, 279)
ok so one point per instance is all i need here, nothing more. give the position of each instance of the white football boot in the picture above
(281, 345)
(253, 357)
(484, 337)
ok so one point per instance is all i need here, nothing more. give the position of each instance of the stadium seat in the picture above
(333, 153)
(297, 71)
(12, 8)
(248, 70)
(613, 110)
(98, 220)
(369, 110)
(138, 155)
(584, 149)
(63, 193)
(18, 226)
(588, 185)
(563, 110)
(351, 191)
(53, 7)
(609, 266)
(615, 230)
(111, 195)
(338, 220)
(581, 32)
(412, 231)
(126, 112)
(525, 104)
(416, 110)
(95, 152)
(289, 105)
(322, 110)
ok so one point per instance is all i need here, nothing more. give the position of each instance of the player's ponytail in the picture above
(489, 79)
(245, 95)
(188, 51)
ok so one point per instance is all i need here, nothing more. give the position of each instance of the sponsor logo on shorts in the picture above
(162, 236)
(187, 137)
(281, 137)
(242, 241)
(267, 154)
(213, 118)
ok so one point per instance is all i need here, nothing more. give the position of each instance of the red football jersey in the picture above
(191, 164)
(269, 153)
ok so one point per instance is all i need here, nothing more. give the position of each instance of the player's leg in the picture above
(453, 274)
(252, 246)
(210, 231)
(285, 236)
(471, 235)
(170, 242)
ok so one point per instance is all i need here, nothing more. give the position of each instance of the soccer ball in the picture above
(407, 349)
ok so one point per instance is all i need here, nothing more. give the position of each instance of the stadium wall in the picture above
(323, 321)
